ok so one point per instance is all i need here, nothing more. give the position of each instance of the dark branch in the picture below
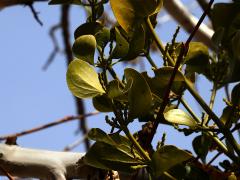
(69, 57)
(48, 125)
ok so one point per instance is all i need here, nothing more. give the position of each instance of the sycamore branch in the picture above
(6, 3)
(181, 14)
(42, 164)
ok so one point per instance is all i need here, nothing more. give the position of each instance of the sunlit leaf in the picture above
(84, 48)
(139, 95)
(167, 157)
(82, 80)
(178, 116)
(130, 13)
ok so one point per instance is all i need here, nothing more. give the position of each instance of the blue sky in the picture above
(30, 96)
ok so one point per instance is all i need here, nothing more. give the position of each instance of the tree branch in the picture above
(39, 128)
(42, 164)
(7, 3)
(180, 13)
(69, 57)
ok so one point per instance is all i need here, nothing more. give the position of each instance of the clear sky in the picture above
(30, 96)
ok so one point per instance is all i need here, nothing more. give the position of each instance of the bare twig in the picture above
(55, 44)
(183, 52)
(7, 174)
(35, 13)
(68, 53)
(75, 143)
(7, 3)
(48, 125)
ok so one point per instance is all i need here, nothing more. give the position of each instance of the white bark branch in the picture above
(42, 164)
(181, 14)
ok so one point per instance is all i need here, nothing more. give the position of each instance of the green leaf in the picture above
(227, 115)
(139, 95)
(115, 91)
(103, 37)
(106, 156)
(167, 157)
(84, 48)
(221, 19)
(76, 2)
(136, 45)
(235, 95)
(88, 28)
(122, 46)
(178, 116)
(197, 58)
(201, 145)
(112, 152)
(236, 45)
(82, 80)
(99, 135)
(102, 103)
(159, 83)
(130, 13)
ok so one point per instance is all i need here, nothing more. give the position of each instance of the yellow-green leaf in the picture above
(82, 80)
(178, 116)
(139, 95)
(132, 12)
(84, 48)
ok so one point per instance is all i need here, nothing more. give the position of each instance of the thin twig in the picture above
(10, 177)
(206, 119)
(69, 57)
(48, 125)
(35, 13)
(214, 158)
(55, 45)
(7, 3)
(183, 52)
(75, 143)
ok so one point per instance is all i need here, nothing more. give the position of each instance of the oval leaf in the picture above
(178, 116)
(167, 157)
(88, 28)
(235, 95)
(84, 48)
(139, 95)
(99, 135)
(130, 12)
(122, 46)
(102, 103)
(105, 156)
(82, 80)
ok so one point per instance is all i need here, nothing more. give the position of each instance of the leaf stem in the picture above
(136, 144)
(211, 103)
(150, 60)
(198, 98)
